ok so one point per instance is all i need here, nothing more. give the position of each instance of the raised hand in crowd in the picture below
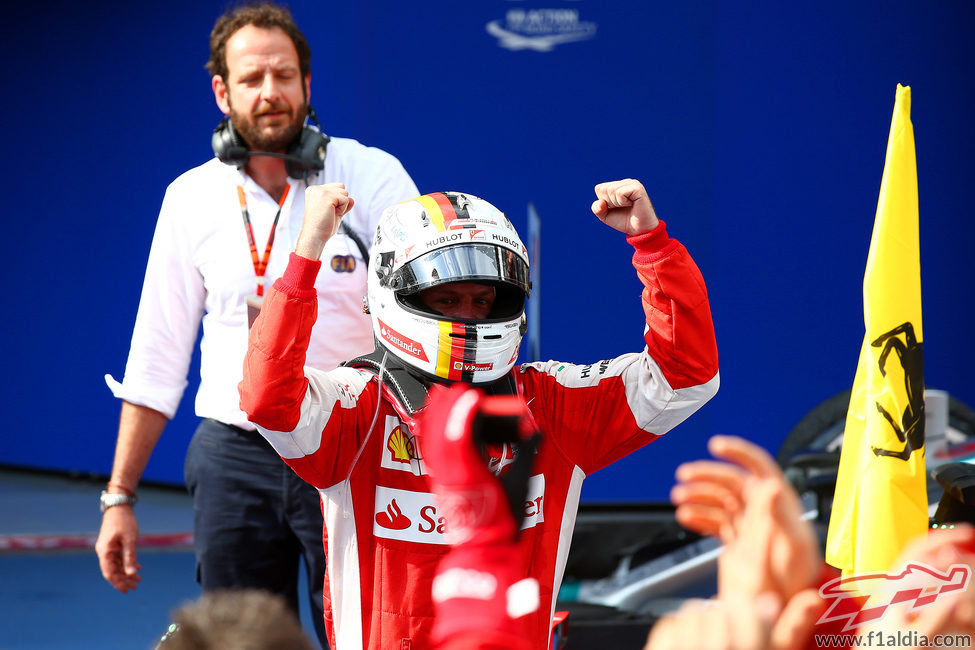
(767, 573)
(710, 497)
(480, 592)
(739, 624)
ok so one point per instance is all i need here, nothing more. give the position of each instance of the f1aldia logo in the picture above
(863, 598)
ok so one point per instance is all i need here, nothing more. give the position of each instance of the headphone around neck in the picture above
(305, 155)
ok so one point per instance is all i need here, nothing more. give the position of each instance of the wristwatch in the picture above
(108, 500)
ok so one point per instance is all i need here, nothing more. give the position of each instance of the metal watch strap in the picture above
(109, 500)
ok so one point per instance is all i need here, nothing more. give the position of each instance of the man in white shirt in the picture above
(253, 517)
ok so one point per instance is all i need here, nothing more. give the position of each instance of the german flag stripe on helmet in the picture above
(450, 351)
(446, 207)
(441, 210)
(435, 212)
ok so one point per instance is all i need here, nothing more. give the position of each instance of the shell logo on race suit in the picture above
(400, 450)
(400, 446)
(412, 516)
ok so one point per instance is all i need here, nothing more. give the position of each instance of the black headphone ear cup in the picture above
(307, 153)
(227, 144)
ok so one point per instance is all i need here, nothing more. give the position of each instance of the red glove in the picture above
(481, 591)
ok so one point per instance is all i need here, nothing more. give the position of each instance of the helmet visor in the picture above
(462, 263)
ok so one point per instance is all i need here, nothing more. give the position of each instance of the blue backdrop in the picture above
(759, 130)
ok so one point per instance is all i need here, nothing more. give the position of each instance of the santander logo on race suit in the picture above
(413, 517)
(392, 518)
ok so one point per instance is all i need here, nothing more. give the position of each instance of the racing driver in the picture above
(448, 281)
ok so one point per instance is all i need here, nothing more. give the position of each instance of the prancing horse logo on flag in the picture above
(910, 431)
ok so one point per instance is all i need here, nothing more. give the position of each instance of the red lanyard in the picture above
(260, 265)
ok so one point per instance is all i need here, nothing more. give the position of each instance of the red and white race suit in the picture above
(383, 535)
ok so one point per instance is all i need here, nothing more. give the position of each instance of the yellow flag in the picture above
(881, 498)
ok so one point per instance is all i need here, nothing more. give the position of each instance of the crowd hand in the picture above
(115, 548)
(710, 497)
(471, 498)
(625, 206)
(770, 554)
(758, 623)
(757, 563)
(325, 205)
(950, 614)
(481, 527)
(744, 624)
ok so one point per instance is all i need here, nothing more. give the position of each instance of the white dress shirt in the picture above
(200, 267)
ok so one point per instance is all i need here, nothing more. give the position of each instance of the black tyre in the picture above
(821, 430)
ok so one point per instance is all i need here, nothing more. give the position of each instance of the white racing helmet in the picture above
(435, 239)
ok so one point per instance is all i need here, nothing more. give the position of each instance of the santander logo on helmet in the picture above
(437, 239)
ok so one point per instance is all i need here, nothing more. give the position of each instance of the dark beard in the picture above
(274, 141)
